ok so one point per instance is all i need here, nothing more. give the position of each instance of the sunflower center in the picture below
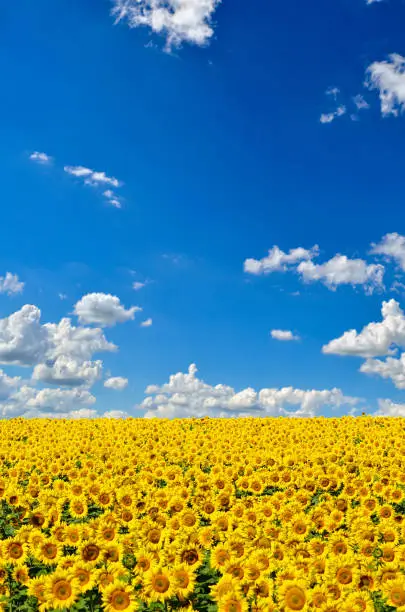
(62, 590)
(344, 575)
(15, 550)
(120, 600)
(182, 579)
(397, 596)
(91, 552)
(161, 583)
(295, 598)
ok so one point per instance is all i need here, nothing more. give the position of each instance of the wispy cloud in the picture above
(147, 323)
(284, 335)
(179, 21)
(92, 177)
(41, 158)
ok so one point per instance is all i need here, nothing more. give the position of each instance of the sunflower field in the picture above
(238, 515)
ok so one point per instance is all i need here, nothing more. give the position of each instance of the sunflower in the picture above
(294, 595)
(144, 560)
(220, 557)
(61, 591)
(84, 575)
(49, 552)
(20, 574)
(90, 551)
(14, 551)
(78, 507)
(183, 579)
(118, 596)
(158, 584)
(233, 603)
(37, 588)
(394, 590)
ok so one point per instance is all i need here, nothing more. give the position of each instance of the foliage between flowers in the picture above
(244, 515)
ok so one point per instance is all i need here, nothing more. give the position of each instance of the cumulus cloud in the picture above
(23, 340)
(388, 408)
(375, 339)
(104, 309)
(8, 384)
(185, 395)
(11, 284)
(279, 261)
(147, 323)
(283, 335)
(178, 20)
(92, 177)
(28, 401)
(66, 371)
(118, 383)
(392, 246)
(41, 158)
(340, 270)
(391, 368)
(388, 77)
(115, 414)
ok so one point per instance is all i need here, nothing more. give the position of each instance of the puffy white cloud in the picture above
(178, 20)
(79, 343)
(116, 382)
(11, 284)
(115, 414)
(28, 401)
(92, 177)
(391, 246)
(388, 77)
(147, 323)
(69, 372)
(283, 335)
(341, 270)
(279, 261)
(375, 339)
(392, 368)
(103, 309)
(387, 408)
(41, 158)
(185, 395)
(8, 384)
(23, 340)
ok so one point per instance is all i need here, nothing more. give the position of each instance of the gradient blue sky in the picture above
(222, 155)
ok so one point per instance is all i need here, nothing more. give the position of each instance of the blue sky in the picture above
(227, 137)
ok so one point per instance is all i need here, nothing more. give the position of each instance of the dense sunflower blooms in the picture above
(241, 515)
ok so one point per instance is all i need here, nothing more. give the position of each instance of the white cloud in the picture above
(392, 368)
(30, 402)
(178, 20)
(329, 117)
(79, 343)
(66, 371)
(340, 270)
(118, 383)
(375, 339)
(388, 408)
(278, 261)
(103, 309)
(360, 102)
(112, 198)
(41, 158)
(8, 384)
(187, 396)
(137, 285)
(23, 340)
(92, 177)
(115, 414)
(389, 79)
(147, 323)
(11, 284)
(391, 246)
(333, 91)
(283, 335)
